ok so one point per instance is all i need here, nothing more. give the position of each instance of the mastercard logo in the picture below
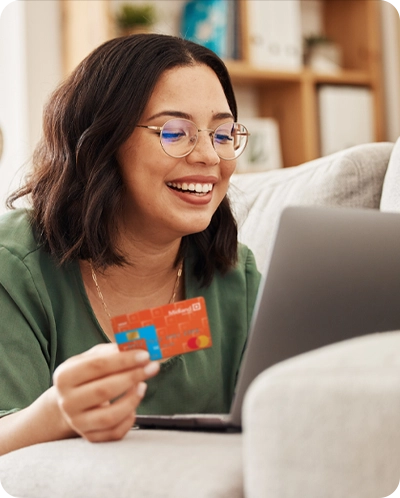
(200, 341)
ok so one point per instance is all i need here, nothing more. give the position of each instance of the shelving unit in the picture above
(292, 97)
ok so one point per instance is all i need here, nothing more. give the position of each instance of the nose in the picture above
(203, 151)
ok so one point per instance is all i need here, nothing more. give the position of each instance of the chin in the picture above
(197, 227)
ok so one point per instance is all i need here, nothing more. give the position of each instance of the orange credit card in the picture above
(165, 331)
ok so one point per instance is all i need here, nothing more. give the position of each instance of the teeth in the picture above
(198, 188)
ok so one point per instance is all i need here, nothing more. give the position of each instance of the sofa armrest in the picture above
(145, 464)
(326, 423)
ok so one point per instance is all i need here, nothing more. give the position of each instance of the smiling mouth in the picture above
(192, 188)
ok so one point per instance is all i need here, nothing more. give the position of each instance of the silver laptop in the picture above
(334, 274)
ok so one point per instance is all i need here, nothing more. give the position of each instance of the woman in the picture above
(129, 211)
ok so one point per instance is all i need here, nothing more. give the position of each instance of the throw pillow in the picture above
(350, 178)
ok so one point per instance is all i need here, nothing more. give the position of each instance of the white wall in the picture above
(44, 58)
(30, 68)
(13, 96)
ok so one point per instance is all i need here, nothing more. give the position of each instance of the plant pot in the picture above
(325, 57)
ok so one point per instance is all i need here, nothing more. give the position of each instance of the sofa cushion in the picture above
(326, 423)
(390, 200)
(351, 178)
(146, 463)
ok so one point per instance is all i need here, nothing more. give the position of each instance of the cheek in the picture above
(227, 169)
(126, 158)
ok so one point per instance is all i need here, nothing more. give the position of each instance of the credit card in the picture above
(165, 331)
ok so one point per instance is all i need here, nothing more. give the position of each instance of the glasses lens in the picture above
(178, 137)
(230, 140)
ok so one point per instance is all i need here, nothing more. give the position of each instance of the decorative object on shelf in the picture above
(263, 151)
(346, 117)
(211, 23)
(274, 34)
(322, 54)
(132, 19)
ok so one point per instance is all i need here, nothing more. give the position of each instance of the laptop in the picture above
(334, 274)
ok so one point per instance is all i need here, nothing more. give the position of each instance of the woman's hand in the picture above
(98, 391)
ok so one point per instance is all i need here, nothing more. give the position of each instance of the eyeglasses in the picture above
(178, 138)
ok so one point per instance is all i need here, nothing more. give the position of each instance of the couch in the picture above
(324, 424)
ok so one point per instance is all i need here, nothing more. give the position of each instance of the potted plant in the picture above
(132, 18)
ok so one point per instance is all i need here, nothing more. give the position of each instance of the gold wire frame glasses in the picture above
(178, 138)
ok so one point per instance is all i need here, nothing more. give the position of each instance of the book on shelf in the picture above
(213, 24)
(346, 117)
(274, 34)
(263, 151)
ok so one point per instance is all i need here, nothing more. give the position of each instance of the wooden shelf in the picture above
(345, 77)
(243, 73)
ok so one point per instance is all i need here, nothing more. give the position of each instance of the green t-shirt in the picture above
(46, 317)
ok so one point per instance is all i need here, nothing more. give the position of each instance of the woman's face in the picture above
(155, 206)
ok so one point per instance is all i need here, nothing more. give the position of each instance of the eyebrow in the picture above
(184, 115)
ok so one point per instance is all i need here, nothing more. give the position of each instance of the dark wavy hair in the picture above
(76, 188)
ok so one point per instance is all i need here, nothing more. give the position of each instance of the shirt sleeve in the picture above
(24, 348)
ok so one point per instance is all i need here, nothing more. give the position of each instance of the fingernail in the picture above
(151, 368)
(142, 355)
(141, 389)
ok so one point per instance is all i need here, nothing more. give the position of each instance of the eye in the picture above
(223, 138)
(223, 134)
(173, 135)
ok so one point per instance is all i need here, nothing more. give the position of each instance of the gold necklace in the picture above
(100, 294)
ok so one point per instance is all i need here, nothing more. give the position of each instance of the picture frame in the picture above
(263, 151)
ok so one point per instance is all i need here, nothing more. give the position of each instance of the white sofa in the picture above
(322, 425)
